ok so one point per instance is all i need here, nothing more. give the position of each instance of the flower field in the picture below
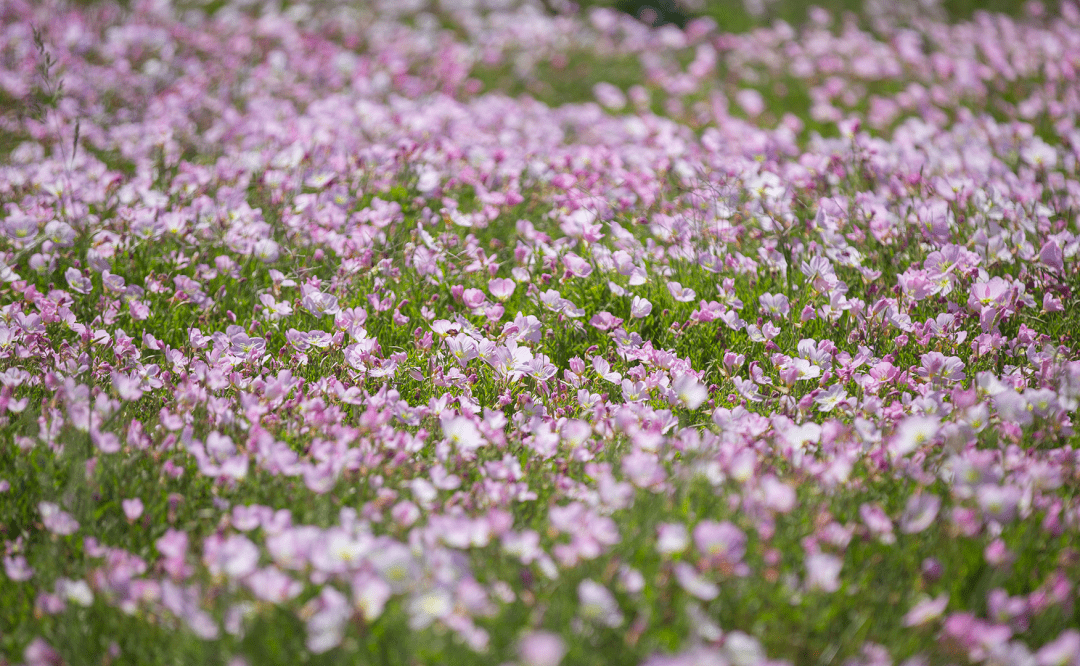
(504, 332)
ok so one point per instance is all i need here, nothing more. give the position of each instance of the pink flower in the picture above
(234, 556)
(671, 538)
(720, 542)
(327, 616)
(681, 293)
(999, 502)
(926, 610)
(1062, 651)
(370, 594)
(640, 307)
(266, 250)
(40, 653)
(273, 585)
(994, 293)
(921, 510)
(778, 496)
(541, 648)
(428, 606)
(605, 321)
(501, 288)
(77, 281)
(473, 298)
(57, 520)
(17, 568)
(598, 604)
(576, 432)
(577, 266)
(127, 387)
(133, 508)
(320, 304)
(775, 305)
(940, 370)
(823, 572)
(917, 284)
(997, 553)
(751, 101)
(1052, 256)
(609, 95)
(694, 583)
(878, 522)
(830, 398)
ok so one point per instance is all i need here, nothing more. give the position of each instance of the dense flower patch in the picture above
(316, 345)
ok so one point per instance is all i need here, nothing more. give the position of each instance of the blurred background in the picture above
(740, 15)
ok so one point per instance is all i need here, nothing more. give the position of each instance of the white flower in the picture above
(463, 433)
(689, 391)
(912, 433)
(75, 591)
(429, 606)
(828, 399)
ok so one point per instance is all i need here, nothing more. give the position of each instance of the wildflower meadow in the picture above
(522, 333)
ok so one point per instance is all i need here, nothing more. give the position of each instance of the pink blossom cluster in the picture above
(322, 327)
